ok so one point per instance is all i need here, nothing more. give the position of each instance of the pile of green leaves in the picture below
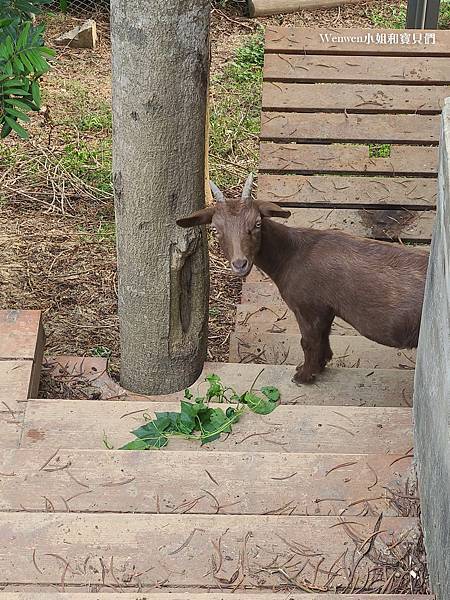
(23, 61)
(198, 421)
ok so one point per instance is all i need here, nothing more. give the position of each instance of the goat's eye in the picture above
(214, 229)
(258, 224)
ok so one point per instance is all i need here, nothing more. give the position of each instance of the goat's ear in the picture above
(269, 209)
(201, 217)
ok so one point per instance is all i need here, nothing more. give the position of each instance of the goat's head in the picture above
(237, 223)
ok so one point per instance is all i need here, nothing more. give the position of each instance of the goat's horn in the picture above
(218, 196)
(247, 191)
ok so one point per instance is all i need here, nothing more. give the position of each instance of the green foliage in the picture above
(379, 150)
(101, 351)
(197, 420)
(90, 163)
(23, 60)
(388, 16)
(22, 9)
(444, 15)
(235, 113)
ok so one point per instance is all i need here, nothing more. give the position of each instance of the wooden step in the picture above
(177, 595)
(340, 191)
(402, 70)
(353, 98)
(419, 161)
(196, 550)
(226, 483)
(21, 340)
(385, 225)
(348, 41)
(348, 351)
(345, 430)
(271, 315)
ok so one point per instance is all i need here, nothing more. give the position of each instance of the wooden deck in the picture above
(330, 100)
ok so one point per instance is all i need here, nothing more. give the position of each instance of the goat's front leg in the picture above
(315, 330)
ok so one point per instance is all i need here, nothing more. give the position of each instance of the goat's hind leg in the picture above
(315, 331)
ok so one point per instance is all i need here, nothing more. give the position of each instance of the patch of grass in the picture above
(99, 120)
(235, 114)
(106, 231)
(444, 15)
(101, 351)
(388, 17)
(8, 156)
(91, 163)
(379, 150)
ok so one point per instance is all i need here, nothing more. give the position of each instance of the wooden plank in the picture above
(273, 316)
(225, 483)
(357, 69)
(349, 128)
(181, 550)
(20, 334)
(417, 161)
(10, 428)
(347, 192)
(348, 351)
(296, 428)
(182, 595)
(15, 383)
(356, 98)
(349, 41)
(260, 8)
(390, 224)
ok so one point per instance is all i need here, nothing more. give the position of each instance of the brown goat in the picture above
(377, 287)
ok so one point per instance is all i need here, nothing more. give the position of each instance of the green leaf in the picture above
(6, 130)
(11, 112)
(188, 394)
(136, 445)
(22, 103)
(153, 434)
(215, 389)
(21, 132)
(261, 406)
(271, 392)
(17, 91)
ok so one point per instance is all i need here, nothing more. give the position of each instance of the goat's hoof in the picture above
(301, 377)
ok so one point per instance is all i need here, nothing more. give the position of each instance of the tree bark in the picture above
(160, 68)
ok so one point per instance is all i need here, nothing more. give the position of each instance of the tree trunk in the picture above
(160, 60)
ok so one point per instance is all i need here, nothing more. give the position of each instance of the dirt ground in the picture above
(57, 248)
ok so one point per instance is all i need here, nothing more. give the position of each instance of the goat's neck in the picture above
(276, 249)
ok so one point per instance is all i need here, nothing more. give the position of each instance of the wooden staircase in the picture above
(297, 504)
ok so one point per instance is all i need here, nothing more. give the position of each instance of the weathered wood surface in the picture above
(356, 69)
(182, 550)
(349, 128)
(225, 483)
(259, 8)
(290, 428)
(347, 192)
(15, 383)
(304, 40)
(357, 98)
(378, 224)
(432, 385)
(336, 158)
(271, 315)
(20, 334)
(10, 428)
(348, 351)
(183, 595)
